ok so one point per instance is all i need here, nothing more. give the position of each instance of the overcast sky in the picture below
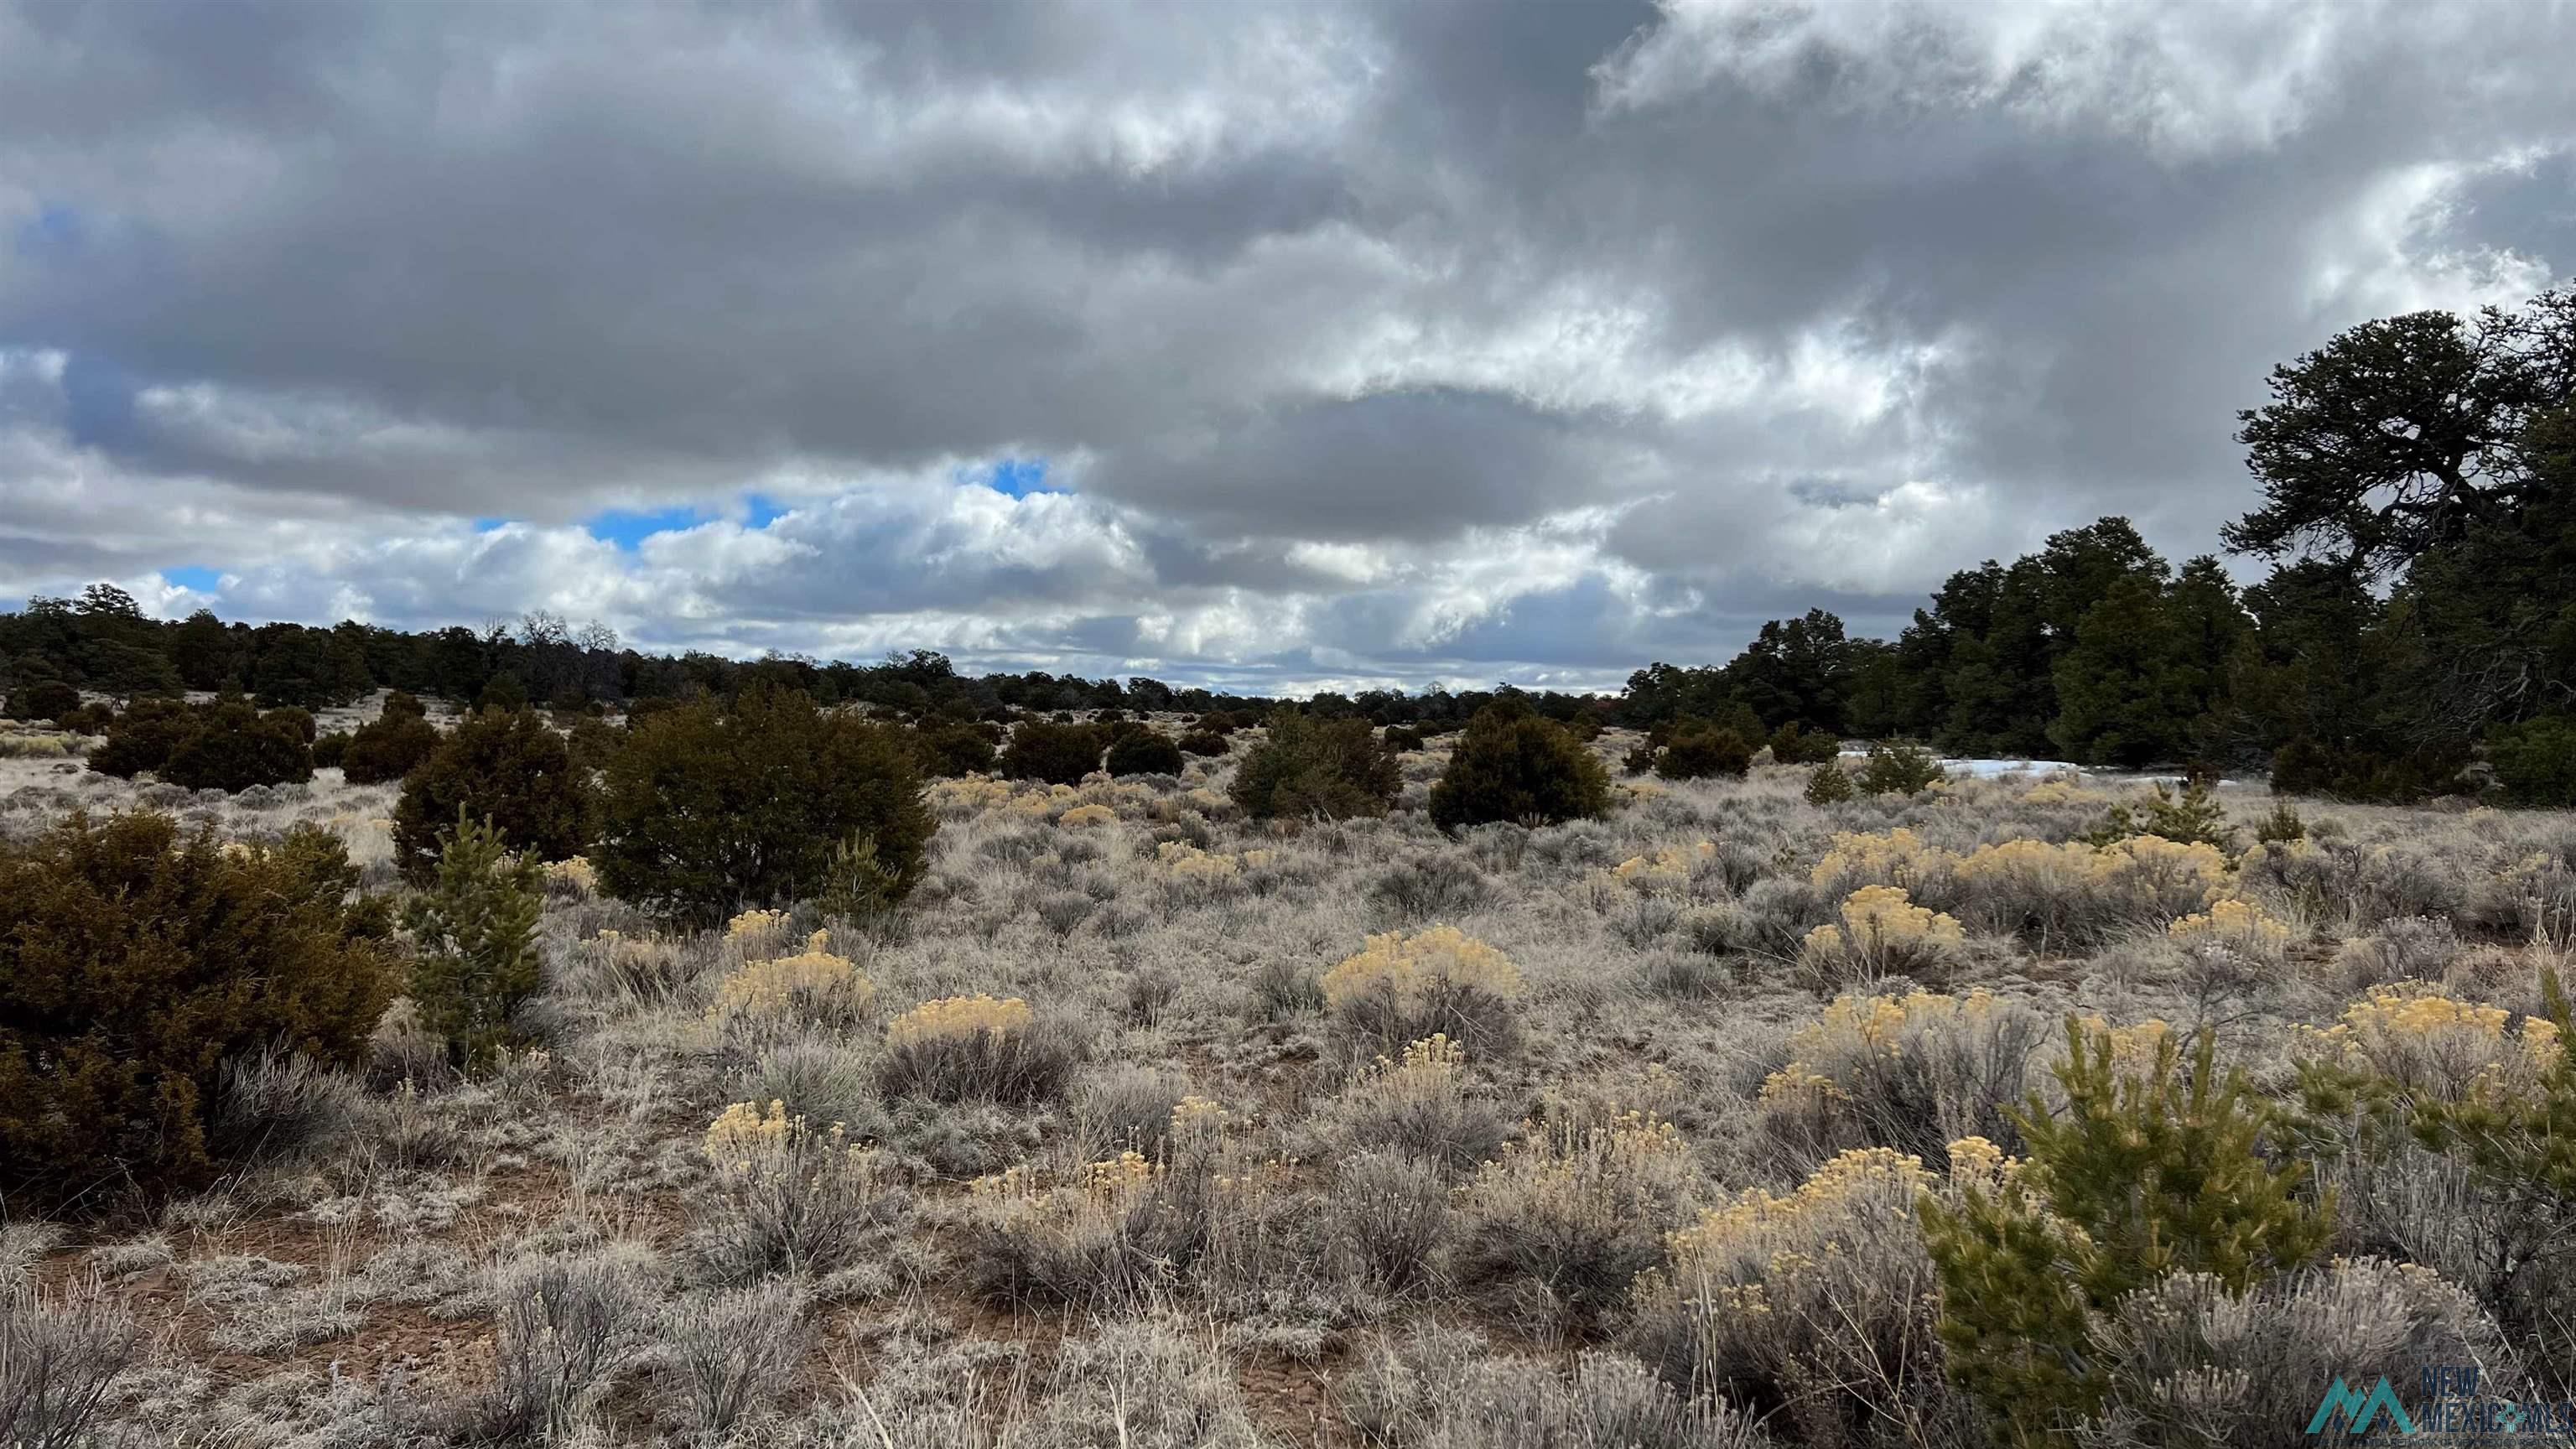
(1267, 345)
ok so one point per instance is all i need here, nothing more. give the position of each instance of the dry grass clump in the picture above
(1817, 1307)
(60, 1354)
(1563, 1219)
(1141, 1384)
(1882, 934)
(1388, 1219)
(785, 1197)
(1437, 982)
(2079, 894)
(735, 1349)
(1421, 1106)
(1443, 1389)
(566, 1330)
(1912, 1072)
(961, 1048)
(811, 988)
(38, 746)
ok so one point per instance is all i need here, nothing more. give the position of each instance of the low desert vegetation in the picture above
(1451, 1097)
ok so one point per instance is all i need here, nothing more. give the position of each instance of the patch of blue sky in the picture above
(626, 527)
(193, 576)
(1012, 477)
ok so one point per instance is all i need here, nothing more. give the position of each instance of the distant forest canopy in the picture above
(2417, 499)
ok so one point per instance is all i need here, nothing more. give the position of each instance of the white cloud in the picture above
(1377, 341)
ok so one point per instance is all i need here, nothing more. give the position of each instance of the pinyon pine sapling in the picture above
(2147, 1172)
(476, 926)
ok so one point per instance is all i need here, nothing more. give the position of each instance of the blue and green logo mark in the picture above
(2361, 1411)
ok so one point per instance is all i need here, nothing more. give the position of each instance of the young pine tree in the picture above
(476, 927)
(2148, 1171)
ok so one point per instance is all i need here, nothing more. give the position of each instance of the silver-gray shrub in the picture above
(565, 1329)
(2190, 1363)
(735, 1348)
(60, 1356)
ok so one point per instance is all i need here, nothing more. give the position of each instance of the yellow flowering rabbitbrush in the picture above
(1568, 1216)
(788, 1198)
(975, 1047)
(1917, 1071)
(812, 986)
(2427, 1044)
(1882, 934)
(1823, 1297)
(1438, 981)
(2236, 925)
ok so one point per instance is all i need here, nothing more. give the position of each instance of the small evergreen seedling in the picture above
(1898, 770)
(2148, 1171)
(857, 885)
(476, 926)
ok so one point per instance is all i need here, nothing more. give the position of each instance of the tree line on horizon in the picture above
(2417, 501)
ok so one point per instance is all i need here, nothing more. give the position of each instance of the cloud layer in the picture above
(1275, 345)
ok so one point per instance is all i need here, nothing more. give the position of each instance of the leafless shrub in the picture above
(736, 1348)
(564, 1330)
(1388, 1219)
(2407, 948)
(1429, 888)
(1064, 911)
(1641, 921)
(277, 1106)
(1284, 989)
(59, 1356)
(1149, 992)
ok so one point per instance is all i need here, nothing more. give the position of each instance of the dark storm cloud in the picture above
(1369, 336)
